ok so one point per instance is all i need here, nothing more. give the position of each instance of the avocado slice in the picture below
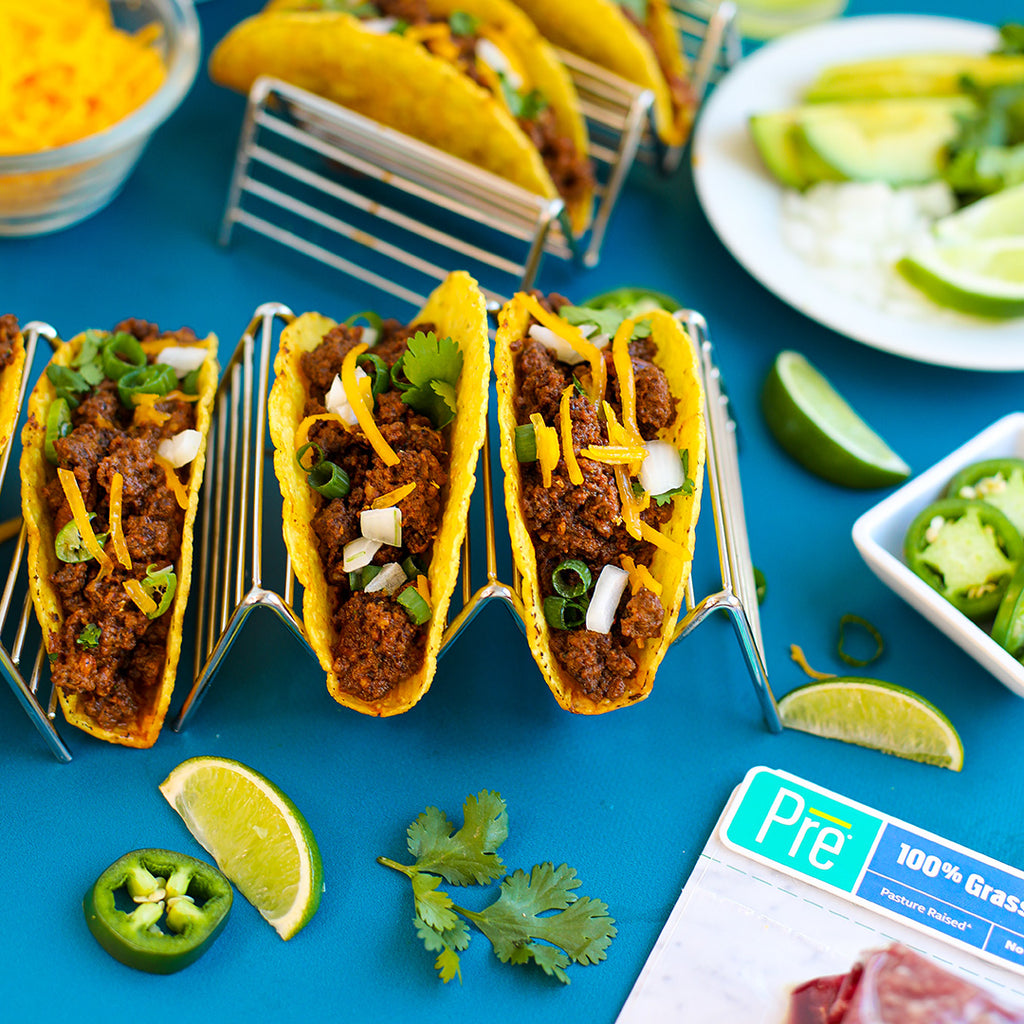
(776, 137)
(899, 141)
(923, 74)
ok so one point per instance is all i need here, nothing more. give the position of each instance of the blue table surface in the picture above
(627, 798)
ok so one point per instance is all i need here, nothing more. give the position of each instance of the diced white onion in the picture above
(600, 340)
(558, 346)
(358, 553)
(491, 55)
(370, 336)
(336, 400)
(180, 449)
(605, 602)
(586, 329)
(662, 469)
(388, 580)
(183, 360)
(382, 524)
(379, 26)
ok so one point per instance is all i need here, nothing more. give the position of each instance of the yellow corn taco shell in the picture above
(10, 385)
(600, 32)
(398, 82)
(678, 359)
(36, 473)
(457, 309)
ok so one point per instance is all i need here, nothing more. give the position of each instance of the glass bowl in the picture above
(55, 188)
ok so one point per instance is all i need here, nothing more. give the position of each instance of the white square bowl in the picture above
(879, 532)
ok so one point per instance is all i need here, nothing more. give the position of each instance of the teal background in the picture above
(777, 842)
(628, 799)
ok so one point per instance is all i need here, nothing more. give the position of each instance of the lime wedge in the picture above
(815, 425)
(996, 216)
(983, 277)
(256, 834)
(874, 714)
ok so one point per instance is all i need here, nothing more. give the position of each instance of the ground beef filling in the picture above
(584, 521)
(376, 644)
(118, 677)
(570, 170)
(9, 331)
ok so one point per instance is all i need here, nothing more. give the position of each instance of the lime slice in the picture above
(258, 837)
(996, 216)
(874, 714)
(815, 425)
(983, 277)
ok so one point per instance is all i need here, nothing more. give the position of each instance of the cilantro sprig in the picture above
(607, 321)
(427, 374)
(537, 915)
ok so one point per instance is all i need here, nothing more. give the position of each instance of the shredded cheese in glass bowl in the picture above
(85, 83)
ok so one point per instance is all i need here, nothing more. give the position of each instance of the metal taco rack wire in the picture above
(314, 176)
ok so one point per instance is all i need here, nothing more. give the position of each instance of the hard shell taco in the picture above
(472, 77)
(602, 445)
(112, 460)
(12, 366)
(376, 433)
(637, 41)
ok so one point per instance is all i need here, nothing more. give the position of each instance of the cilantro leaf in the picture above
(537, 916)
(580, 927)
(432, 366)
(430, 358)
(523, 106)
(462, 23)
(466, 856)
(607, 321)
(90, 635)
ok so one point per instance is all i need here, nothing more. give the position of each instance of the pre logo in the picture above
(815, 834)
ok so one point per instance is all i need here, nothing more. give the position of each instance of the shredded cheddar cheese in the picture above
(613, 454)
(423, 587)
(146, 410)
(392, 498)
(363, 414)
(640, 576)
(116, 526)
(567, 332)
(173, 481)
(81, 518)
(568, 452)
(68, 72)
(546, 440)
(627, 382)
(141, 599)
(658, 539)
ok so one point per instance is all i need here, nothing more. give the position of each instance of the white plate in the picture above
(879, 532)
(742, 201)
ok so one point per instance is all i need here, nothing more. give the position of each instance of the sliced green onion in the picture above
(563, 614)
(58, 425)
(377, 370)
(366, 574)
(413, 567)
(160, 584)
(526, 443)
(415, 606)
(357, 553)
(386, 580)
(69, 546)
(155, 379)
(571, 578)
(856, 620)
(318, 455)
(190, 383)
(121, 353)
(330, 480)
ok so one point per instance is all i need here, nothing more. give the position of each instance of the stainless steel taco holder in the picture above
(515, 229)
